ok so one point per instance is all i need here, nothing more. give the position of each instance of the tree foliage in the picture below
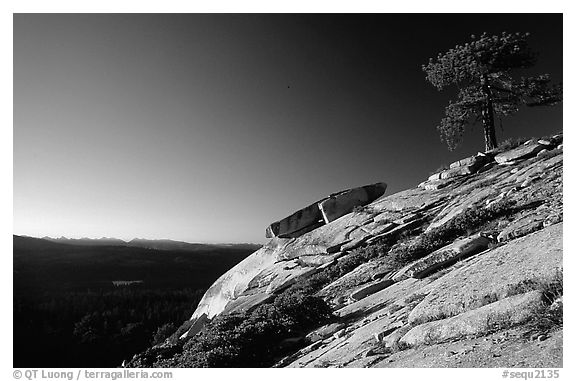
(482, 72)
(249, 339)
(96, 328)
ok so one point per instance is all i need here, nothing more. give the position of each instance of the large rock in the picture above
(379, 227)
(398, 229)
(442, 257)
(381, 298)
(457, 172)
(492, 275)
(503, 313)
(324, 332)
(370, 289)
(278, 276)
(463, 167)
(345, 285)
(324, 211)
(344, 349)
(460, 204)
(397, 204)
(318, 260)
(246, 303)
(473, 162)
(435, 184)
(344, 202)
(522, 152)
(537, 169)
(297, 223)
(551, 141)
(234, 282)
(522, 226)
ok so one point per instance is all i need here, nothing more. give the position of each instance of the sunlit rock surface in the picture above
(324, 211)
(449, 293)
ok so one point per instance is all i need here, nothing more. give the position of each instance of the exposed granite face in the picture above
(451, 253)
(416, 312)
(522, 152)
(514, 310)
(493, 274)
(377, 306)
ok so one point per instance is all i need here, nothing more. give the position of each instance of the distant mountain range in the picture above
(104, 241)
(62, 263)
(156, 244)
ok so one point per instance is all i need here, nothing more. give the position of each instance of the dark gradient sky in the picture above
(209, 127)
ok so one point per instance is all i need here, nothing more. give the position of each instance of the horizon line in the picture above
(138, 238)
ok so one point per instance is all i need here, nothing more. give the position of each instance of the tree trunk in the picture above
(488, 115)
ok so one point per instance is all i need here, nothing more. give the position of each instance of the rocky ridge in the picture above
(469, 254)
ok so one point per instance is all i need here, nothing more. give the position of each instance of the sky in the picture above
(207, 128)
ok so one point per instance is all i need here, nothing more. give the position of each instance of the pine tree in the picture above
(481, 70)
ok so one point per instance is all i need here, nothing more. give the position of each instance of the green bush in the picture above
(162, 333)
(511, 143)
(553, 287)
(550, 315)
(180, 331)
(252, 339)
(469, 220)
(301, 310)
(344, 265)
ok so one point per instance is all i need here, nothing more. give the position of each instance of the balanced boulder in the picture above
(324, 211)
(342, 203)
(297, 223)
